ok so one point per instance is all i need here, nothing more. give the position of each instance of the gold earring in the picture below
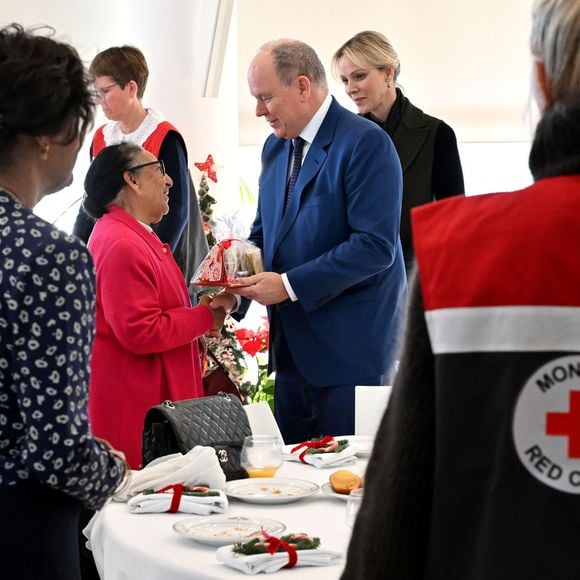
(44, 152)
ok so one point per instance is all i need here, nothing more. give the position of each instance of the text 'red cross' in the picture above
(567, 424)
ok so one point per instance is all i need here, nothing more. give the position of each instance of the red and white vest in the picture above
(150, 134)
(500, 279)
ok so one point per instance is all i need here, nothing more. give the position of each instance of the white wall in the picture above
(465, 61)
(175, 36)
(85, 25)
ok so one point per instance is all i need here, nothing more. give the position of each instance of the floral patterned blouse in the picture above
(47, 288)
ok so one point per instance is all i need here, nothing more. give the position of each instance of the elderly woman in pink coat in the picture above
(146, 347)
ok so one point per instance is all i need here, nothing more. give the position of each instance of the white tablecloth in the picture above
(145, 547)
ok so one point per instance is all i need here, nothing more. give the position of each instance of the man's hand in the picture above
(266, 288)
(218, 311)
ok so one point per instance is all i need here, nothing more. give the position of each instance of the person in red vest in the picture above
(120, 77)
(475, 473)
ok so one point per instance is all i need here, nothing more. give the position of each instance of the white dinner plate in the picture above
(326, 489)
(221, 531)
(270, 489)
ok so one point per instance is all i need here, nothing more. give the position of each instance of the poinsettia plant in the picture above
(253, 341)
(255, 344)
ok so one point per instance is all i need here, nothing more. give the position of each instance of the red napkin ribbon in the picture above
(176, 499)
(312, 445)
(274, 544)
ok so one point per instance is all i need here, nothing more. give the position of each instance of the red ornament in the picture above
(207, 167)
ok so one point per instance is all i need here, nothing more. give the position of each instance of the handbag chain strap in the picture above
(170, 405)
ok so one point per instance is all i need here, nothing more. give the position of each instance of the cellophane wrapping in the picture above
(232, 257)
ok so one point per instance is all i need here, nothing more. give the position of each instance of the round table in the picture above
(130, 546)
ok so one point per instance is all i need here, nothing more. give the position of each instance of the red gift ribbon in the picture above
(222, 247)
(176, 499)
(312, 445)
(274, 544)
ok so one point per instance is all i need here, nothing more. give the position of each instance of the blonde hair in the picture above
(555, 41)
(368, 49)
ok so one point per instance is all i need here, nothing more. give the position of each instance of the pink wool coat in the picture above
(145, 348)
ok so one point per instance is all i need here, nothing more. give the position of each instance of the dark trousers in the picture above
(38, 533)
(304, 411)
(88, 566)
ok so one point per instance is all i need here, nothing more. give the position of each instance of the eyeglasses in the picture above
(158, 162)
(102, 92)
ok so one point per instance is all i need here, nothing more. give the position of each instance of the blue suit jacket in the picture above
(338, 242)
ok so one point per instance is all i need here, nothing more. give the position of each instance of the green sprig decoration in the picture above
(259, 545)
(206, 203)
(189, 492)
(342, 444)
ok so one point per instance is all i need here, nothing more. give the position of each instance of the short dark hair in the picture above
(44, 88)
(556, 145)
(123, 64)
(104, 179)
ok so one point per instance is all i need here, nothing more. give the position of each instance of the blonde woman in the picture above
(369, 67)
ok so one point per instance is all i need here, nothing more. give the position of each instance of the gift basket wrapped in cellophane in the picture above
(232, 257)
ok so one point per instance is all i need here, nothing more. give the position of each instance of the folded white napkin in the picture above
(198, 466)
(320, 460)
(189, 504)
(268, 563)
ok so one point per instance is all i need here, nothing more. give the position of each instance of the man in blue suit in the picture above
(335, 281)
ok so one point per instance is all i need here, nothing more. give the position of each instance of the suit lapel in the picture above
(409, 143)
(282, 165)
(310, 168)
(410, 135)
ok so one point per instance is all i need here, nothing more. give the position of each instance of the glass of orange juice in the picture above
(262, 455)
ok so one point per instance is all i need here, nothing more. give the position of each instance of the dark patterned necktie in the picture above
(296, 164)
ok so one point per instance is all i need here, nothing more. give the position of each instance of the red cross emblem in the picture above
(567, 425)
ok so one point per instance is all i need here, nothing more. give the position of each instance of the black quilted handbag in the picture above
(218, 421)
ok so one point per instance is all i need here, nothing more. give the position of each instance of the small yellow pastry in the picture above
(344, 481)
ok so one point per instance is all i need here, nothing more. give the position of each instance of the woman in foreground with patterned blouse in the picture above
(50, 463)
